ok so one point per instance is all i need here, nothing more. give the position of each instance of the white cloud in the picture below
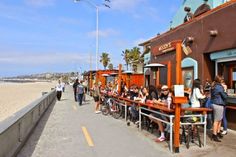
(39, 59)
(40, 3)
(103, 33)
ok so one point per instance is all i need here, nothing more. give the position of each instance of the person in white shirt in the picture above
(63, 86)
(59, 89)
(196, 94)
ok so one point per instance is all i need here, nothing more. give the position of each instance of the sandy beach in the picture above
(15, 96)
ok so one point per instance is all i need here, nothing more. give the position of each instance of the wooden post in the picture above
(178, 63)
(177, 101)
(169, 74)
(119, 78)
(128, 80)
(231, 77)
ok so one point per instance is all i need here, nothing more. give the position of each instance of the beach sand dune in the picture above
(15, 96)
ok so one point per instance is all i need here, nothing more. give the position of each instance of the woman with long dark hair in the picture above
(196, 94)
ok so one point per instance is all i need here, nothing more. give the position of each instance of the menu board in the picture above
(179, 90)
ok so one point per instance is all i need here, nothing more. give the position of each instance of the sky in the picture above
(38, 36)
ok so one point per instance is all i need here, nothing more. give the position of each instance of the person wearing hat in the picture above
(164, 100)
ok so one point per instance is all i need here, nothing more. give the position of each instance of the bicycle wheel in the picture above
(117, 111)
(105, 109)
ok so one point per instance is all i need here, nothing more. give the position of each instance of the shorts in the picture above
(96, 98)
(158, 116)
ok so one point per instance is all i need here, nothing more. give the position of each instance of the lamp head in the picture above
(213, 33)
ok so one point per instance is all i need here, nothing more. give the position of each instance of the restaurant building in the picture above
(207, 39)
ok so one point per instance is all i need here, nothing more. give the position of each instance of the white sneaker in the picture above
(224, 132)
(97, 112)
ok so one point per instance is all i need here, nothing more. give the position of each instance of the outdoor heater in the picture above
(128, 73)
(154, 67)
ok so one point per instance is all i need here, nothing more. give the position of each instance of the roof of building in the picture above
(190, 21)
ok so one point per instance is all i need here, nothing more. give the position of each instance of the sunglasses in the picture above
(164, 90)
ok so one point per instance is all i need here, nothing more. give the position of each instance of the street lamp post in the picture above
(97, 32)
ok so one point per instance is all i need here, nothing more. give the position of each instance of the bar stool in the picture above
(190, 132)
(190, 128)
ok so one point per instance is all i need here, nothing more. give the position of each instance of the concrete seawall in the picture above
(15, 130)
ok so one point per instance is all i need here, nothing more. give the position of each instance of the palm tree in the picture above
(105, 59)
(135, 54)
(135, 57)
(110, 66)
(126, 56)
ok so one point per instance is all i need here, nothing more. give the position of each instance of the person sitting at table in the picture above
(143, 95)
(133, 109)
(165, 99)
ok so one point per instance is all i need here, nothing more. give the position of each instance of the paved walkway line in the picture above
(88, 137)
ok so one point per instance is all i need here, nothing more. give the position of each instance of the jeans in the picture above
(224, 119)
(75, 95)
(134, 112)
(80, 98)
(209, 120)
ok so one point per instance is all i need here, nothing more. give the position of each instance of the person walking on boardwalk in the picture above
(63, 86)
(75, 88)
(96, 96)
(59, 90)
(80, 92)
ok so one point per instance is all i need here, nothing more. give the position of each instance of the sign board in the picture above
(164, 48)
(187, 50)
(179, 90)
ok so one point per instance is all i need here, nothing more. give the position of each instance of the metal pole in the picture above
(125, 111)
(140, 116)
(171, 134)
(97, 35)
(97, 32)
(205, 125)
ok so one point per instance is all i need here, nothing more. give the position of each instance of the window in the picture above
(187, 75)
(163, 75)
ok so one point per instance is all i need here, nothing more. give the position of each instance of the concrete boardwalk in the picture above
(62, 133)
